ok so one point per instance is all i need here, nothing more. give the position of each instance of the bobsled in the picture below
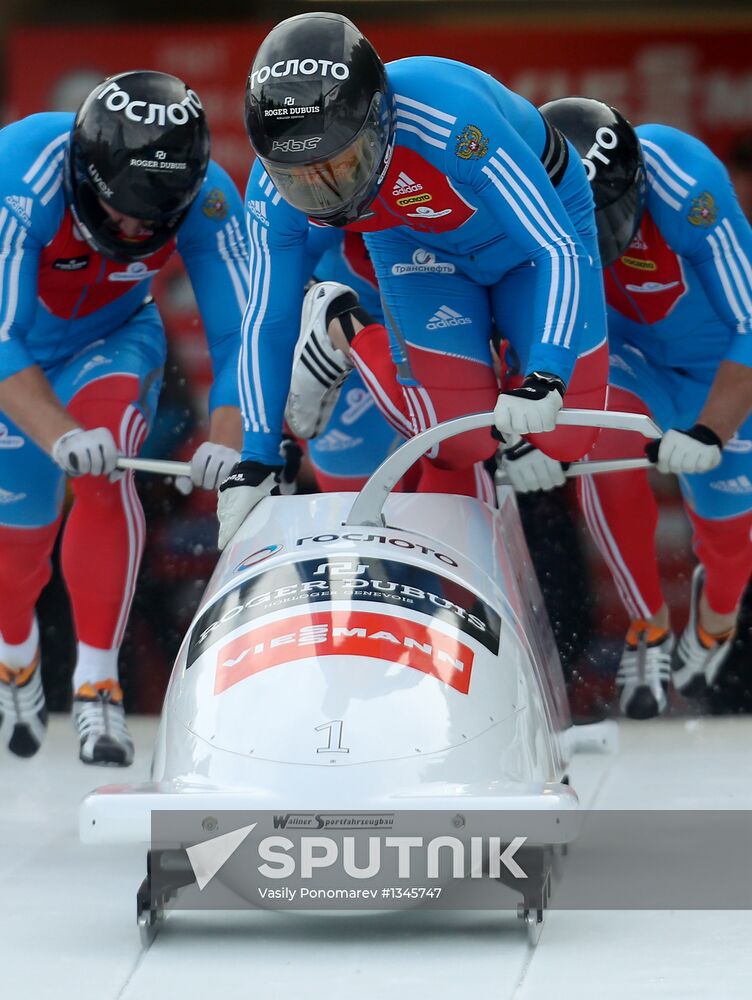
(362, 654)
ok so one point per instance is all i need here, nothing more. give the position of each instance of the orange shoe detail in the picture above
(709, 640)
(21, 675)
(90, 692)
(652, 634)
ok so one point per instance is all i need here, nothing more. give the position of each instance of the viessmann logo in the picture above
(345, 633)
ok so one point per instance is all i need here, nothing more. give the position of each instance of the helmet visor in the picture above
(619, 220)
(325, 187)
(105, 235)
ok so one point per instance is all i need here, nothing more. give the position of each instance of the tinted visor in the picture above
(325, 187)
(618, 221)
(105, 236)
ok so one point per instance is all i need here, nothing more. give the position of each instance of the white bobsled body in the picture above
(339, 667)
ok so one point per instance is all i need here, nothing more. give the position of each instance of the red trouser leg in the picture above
(448, 387)
(622, 515)
(25, 568)
(104, 536)
(586, 390)
(724, 547)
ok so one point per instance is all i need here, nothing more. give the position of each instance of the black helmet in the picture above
(140, 144)
(318, 111)
(611, 155)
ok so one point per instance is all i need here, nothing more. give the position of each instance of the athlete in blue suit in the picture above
(473, 182)
(90, 210)
(348, 436)
(679, 292)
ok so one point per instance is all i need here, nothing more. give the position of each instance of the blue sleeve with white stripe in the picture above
(30, 154)
(695, 207)
(514, 187)
(212, 244)
(280, 264)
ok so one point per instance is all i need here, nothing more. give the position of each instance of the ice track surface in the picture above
(67, 913)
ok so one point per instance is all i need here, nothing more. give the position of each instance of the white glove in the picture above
(80, 452)
(210, 465)
(528, 469)
(531, 409)
(697, 450)
(247, 485)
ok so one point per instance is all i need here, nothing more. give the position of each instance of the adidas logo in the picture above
(337, 440)
(258, 211)
(445, 317)
(405, 185)
(736, 486)
(21, 207)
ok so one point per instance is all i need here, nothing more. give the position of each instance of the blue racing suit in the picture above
(83, 317)
(484, 215)
(680, 302)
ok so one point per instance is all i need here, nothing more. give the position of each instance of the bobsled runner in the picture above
(364, 654)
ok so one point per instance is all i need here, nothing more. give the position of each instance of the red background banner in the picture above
(698, 79)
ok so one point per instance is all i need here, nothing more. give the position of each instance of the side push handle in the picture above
(159, 466)
(369, 503)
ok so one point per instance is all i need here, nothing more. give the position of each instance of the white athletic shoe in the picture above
(698, 657)
(99, 717)
(319, 368)
(645, 671)
(23, 712)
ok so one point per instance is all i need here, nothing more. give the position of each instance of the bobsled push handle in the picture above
(368, 506)
(160, 466)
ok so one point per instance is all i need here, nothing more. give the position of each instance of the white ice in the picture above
(68, 929)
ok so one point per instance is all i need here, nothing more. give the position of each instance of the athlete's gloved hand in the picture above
(80, 453)
(210, 465)
(697, 450)
(533, 407)
(248, 483)
(528, 469)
